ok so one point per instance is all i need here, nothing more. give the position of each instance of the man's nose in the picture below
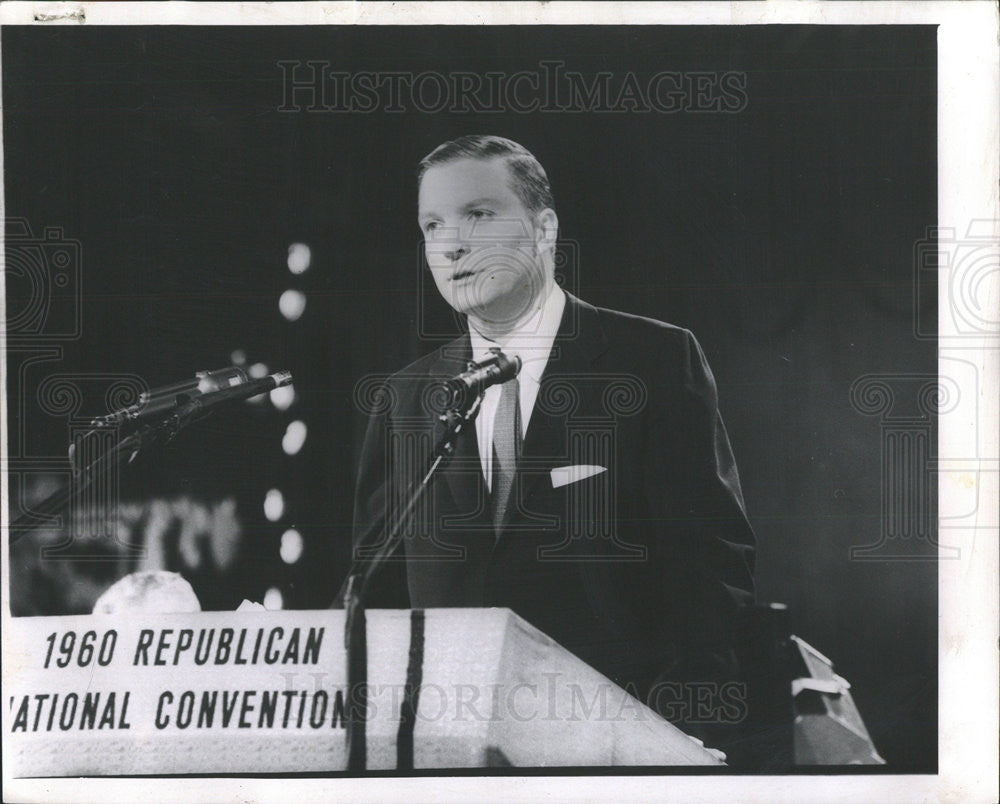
(449, 242)
(456, 252)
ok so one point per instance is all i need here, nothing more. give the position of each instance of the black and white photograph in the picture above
(500, 394)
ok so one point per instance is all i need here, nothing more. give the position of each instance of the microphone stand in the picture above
(364, 568)
(124, 452)
(127, 450)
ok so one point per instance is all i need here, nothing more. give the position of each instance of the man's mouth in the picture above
(462, 274)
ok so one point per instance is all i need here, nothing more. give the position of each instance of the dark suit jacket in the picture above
(638, 570)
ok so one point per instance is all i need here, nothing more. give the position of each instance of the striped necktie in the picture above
(506, 449)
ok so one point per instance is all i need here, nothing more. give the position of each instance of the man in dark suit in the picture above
(597, 495)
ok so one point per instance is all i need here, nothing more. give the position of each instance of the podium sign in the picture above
(266, 692)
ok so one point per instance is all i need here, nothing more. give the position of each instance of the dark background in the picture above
(781, 235)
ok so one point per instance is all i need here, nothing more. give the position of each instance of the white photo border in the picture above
(968, 180)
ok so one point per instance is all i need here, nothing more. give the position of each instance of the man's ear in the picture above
(546, 229)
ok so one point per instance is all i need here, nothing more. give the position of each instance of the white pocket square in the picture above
(564, 475)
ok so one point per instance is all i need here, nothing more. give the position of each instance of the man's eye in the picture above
(480, 213)
(430, 226)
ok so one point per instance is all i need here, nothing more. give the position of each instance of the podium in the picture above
(265, 692)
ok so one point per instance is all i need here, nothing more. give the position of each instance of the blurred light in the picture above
(238, 357)
(291, 546)
(292, 304)
(258, 371)
(294, 438)
(274, 505)
(283, 397)
(272, 599)
(299, 258)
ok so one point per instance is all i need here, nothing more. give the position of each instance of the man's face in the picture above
(482, 244)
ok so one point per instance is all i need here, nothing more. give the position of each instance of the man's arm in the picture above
(372, 495)
(703, 553)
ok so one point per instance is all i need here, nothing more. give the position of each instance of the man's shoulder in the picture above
(446, 360)
(628, 324)
(411, 390)
(637, 334)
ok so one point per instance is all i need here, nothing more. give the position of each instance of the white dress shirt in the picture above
(532, 342)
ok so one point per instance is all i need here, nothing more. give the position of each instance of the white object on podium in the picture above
(265, 692)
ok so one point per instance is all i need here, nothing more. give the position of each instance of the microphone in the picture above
(161, 401)
(198, 406)
(494, 370)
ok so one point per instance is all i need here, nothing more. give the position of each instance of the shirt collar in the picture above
(531, 340)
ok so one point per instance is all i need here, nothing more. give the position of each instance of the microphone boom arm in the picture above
(124, 452)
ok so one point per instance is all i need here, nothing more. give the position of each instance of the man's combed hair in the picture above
(528, 179)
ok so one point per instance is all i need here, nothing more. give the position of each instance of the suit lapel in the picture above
(579, 341)
(463, 473)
